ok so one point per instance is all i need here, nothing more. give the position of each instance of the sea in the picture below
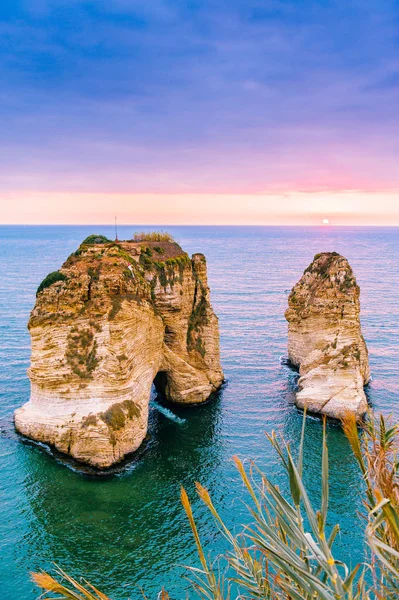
(126, 532)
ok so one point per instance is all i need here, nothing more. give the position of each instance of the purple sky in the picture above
(212, 110)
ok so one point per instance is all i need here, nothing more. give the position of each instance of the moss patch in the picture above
(89, 420)
(115, 416)
(322, 267)
(115, 308)
(81, 353)
(169, 271)
(94, 273)
(198, 318)
(50, 279)
(96, 239)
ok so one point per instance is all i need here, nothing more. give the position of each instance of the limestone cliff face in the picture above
(325, 339)
(116, 317)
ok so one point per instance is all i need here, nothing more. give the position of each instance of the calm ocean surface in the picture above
(128, 530)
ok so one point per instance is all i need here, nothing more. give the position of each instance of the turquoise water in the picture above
(128, 530)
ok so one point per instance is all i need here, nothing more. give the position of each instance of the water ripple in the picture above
(129, 529)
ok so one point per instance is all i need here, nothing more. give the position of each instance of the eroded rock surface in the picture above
(116, 317)
(325, 340)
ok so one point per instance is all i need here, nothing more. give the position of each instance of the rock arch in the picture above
(95, 357)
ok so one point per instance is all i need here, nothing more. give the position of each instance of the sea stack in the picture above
(116, 318)
(325, 340)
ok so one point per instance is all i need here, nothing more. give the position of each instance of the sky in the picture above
(199, 111)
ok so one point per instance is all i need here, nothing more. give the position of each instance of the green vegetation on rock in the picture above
(94, 273)
(322, 268)
(115, 308)
(89, 420)
(81, 353)
(165, 270)
(197, 319)
(50, 279)
(96, 239)
(115, 416)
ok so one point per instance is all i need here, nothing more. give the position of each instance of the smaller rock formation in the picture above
(325, 340)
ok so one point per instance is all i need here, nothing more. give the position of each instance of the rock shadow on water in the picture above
(162, 412)
(112, 528)
(292, 372)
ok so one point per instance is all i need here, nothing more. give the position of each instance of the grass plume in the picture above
(286, 552)
(153, 236)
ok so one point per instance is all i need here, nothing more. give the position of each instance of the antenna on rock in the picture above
(116, 230)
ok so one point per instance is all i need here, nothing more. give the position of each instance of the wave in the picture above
(167, 413)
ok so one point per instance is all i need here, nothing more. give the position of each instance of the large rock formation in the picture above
(325, 339)
(117, 317)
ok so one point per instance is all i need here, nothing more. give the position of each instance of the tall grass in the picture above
(153, 236)
(286, 553)
(72, 589)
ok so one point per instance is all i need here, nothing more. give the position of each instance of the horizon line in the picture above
(319, 226)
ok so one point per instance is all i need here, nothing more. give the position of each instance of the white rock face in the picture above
(325, 340)
(119, 316)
